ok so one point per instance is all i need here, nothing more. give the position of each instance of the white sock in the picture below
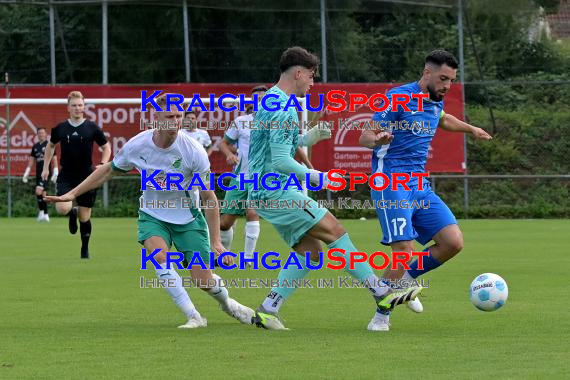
(227, 238)
(178, 294)
(218, 292)
(407, 277)
(251, 236)
(376, 286)
(273, 302)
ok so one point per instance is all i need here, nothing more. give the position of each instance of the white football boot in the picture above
(379, 322)
(238, 311)
(195, 322)
(415, 305)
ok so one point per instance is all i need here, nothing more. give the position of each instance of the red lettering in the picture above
(340, 180)
(385, 258)
(396, 181)
(385, 102)
(355, 181)
(357, 257)
(420, 98)
(420, 256)
(340, 259)
(420, 177)
(354, 102)
(385, 182)
(340, 101)
(396, 102)
(397, 260)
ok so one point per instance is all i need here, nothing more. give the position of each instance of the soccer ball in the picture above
(488, 292)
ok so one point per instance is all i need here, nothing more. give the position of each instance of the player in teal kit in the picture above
(406, 152)
(271, 151)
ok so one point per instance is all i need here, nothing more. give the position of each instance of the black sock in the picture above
(42, 206)
(85, 231)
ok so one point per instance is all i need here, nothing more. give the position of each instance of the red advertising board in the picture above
(120, 122)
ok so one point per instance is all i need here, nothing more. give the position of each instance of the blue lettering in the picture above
(221, 181)
(145, 179)
(174, 179)
(293, 259)
(276, 263)
(264, 181)
(221, 102)
(145, 258)
(292, 178)
(254, 102)
(178, 258)
(275, 104)
(169, 101)
(221, 261)
(149, 100)
(308, 103)
(196, 260)
(292, 99)
(196, 99)
(200, 184)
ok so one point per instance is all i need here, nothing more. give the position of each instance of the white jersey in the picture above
(240, 136)
(185, 156)
(199, 135)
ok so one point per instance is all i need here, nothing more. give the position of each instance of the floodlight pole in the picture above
(8, 142)
(105, 72)
(186, 40)
(462, 80)
(52, 42)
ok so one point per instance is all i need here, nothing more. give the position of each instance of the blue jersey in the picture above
(407, 153)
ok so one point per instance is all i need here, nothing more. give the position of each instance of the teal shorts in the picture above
(236, 196)
(296, 216)
(187, 238)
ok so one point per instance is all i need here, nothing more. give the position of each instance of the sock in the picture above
(279, 294)
(178, 294)
(251, 236)
(42, 206)
(219, 293)
(429, 264)
(361, 271)
(85, 231)
(227, 238)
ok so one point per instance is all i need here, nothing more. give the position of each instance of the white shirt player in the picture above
(241, 136)
(200, 135)
(185, 156)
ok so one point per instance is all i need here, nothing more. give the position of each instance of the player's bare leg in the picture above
(226, 229)
(330, 231)
(42, 205)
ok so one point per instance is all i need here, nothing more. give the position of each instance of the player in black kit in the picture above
(37, 155)
(76, 136)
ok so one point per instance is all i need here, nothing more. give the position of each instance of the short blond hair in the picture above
(161, 101)
(75, 95)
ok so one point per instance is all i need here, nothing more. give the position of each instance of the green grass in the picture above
(61, 317)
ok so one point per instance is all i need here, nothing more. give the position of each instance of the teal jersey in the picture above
(285, 131)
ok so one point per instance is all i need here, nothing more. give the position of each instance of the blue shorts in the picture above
(419, 221)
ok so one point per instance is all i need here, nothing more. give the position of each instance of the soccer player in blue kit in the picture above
(405, 150)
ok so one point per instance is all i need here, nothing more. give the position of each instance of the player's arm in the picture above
(212, 215)
(314, 135)
(55, 170)
(102, 174)
(451, 123)
(372, 138)
(28, 169)
(48, 155)
(231, 158)
(101, 140)
(302, 157)
(106, 154)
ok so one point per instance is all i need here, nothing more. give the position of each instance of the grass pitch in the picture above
(61, 317)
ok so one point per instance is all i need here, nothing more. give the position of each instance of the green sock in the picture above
(361, 271)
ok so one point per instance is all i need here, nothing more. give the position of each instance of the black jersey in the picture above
(38, 151)
(77, 146)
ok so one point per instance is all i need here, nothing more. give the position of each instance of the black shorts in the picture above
(41, 183)
(65, 184)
